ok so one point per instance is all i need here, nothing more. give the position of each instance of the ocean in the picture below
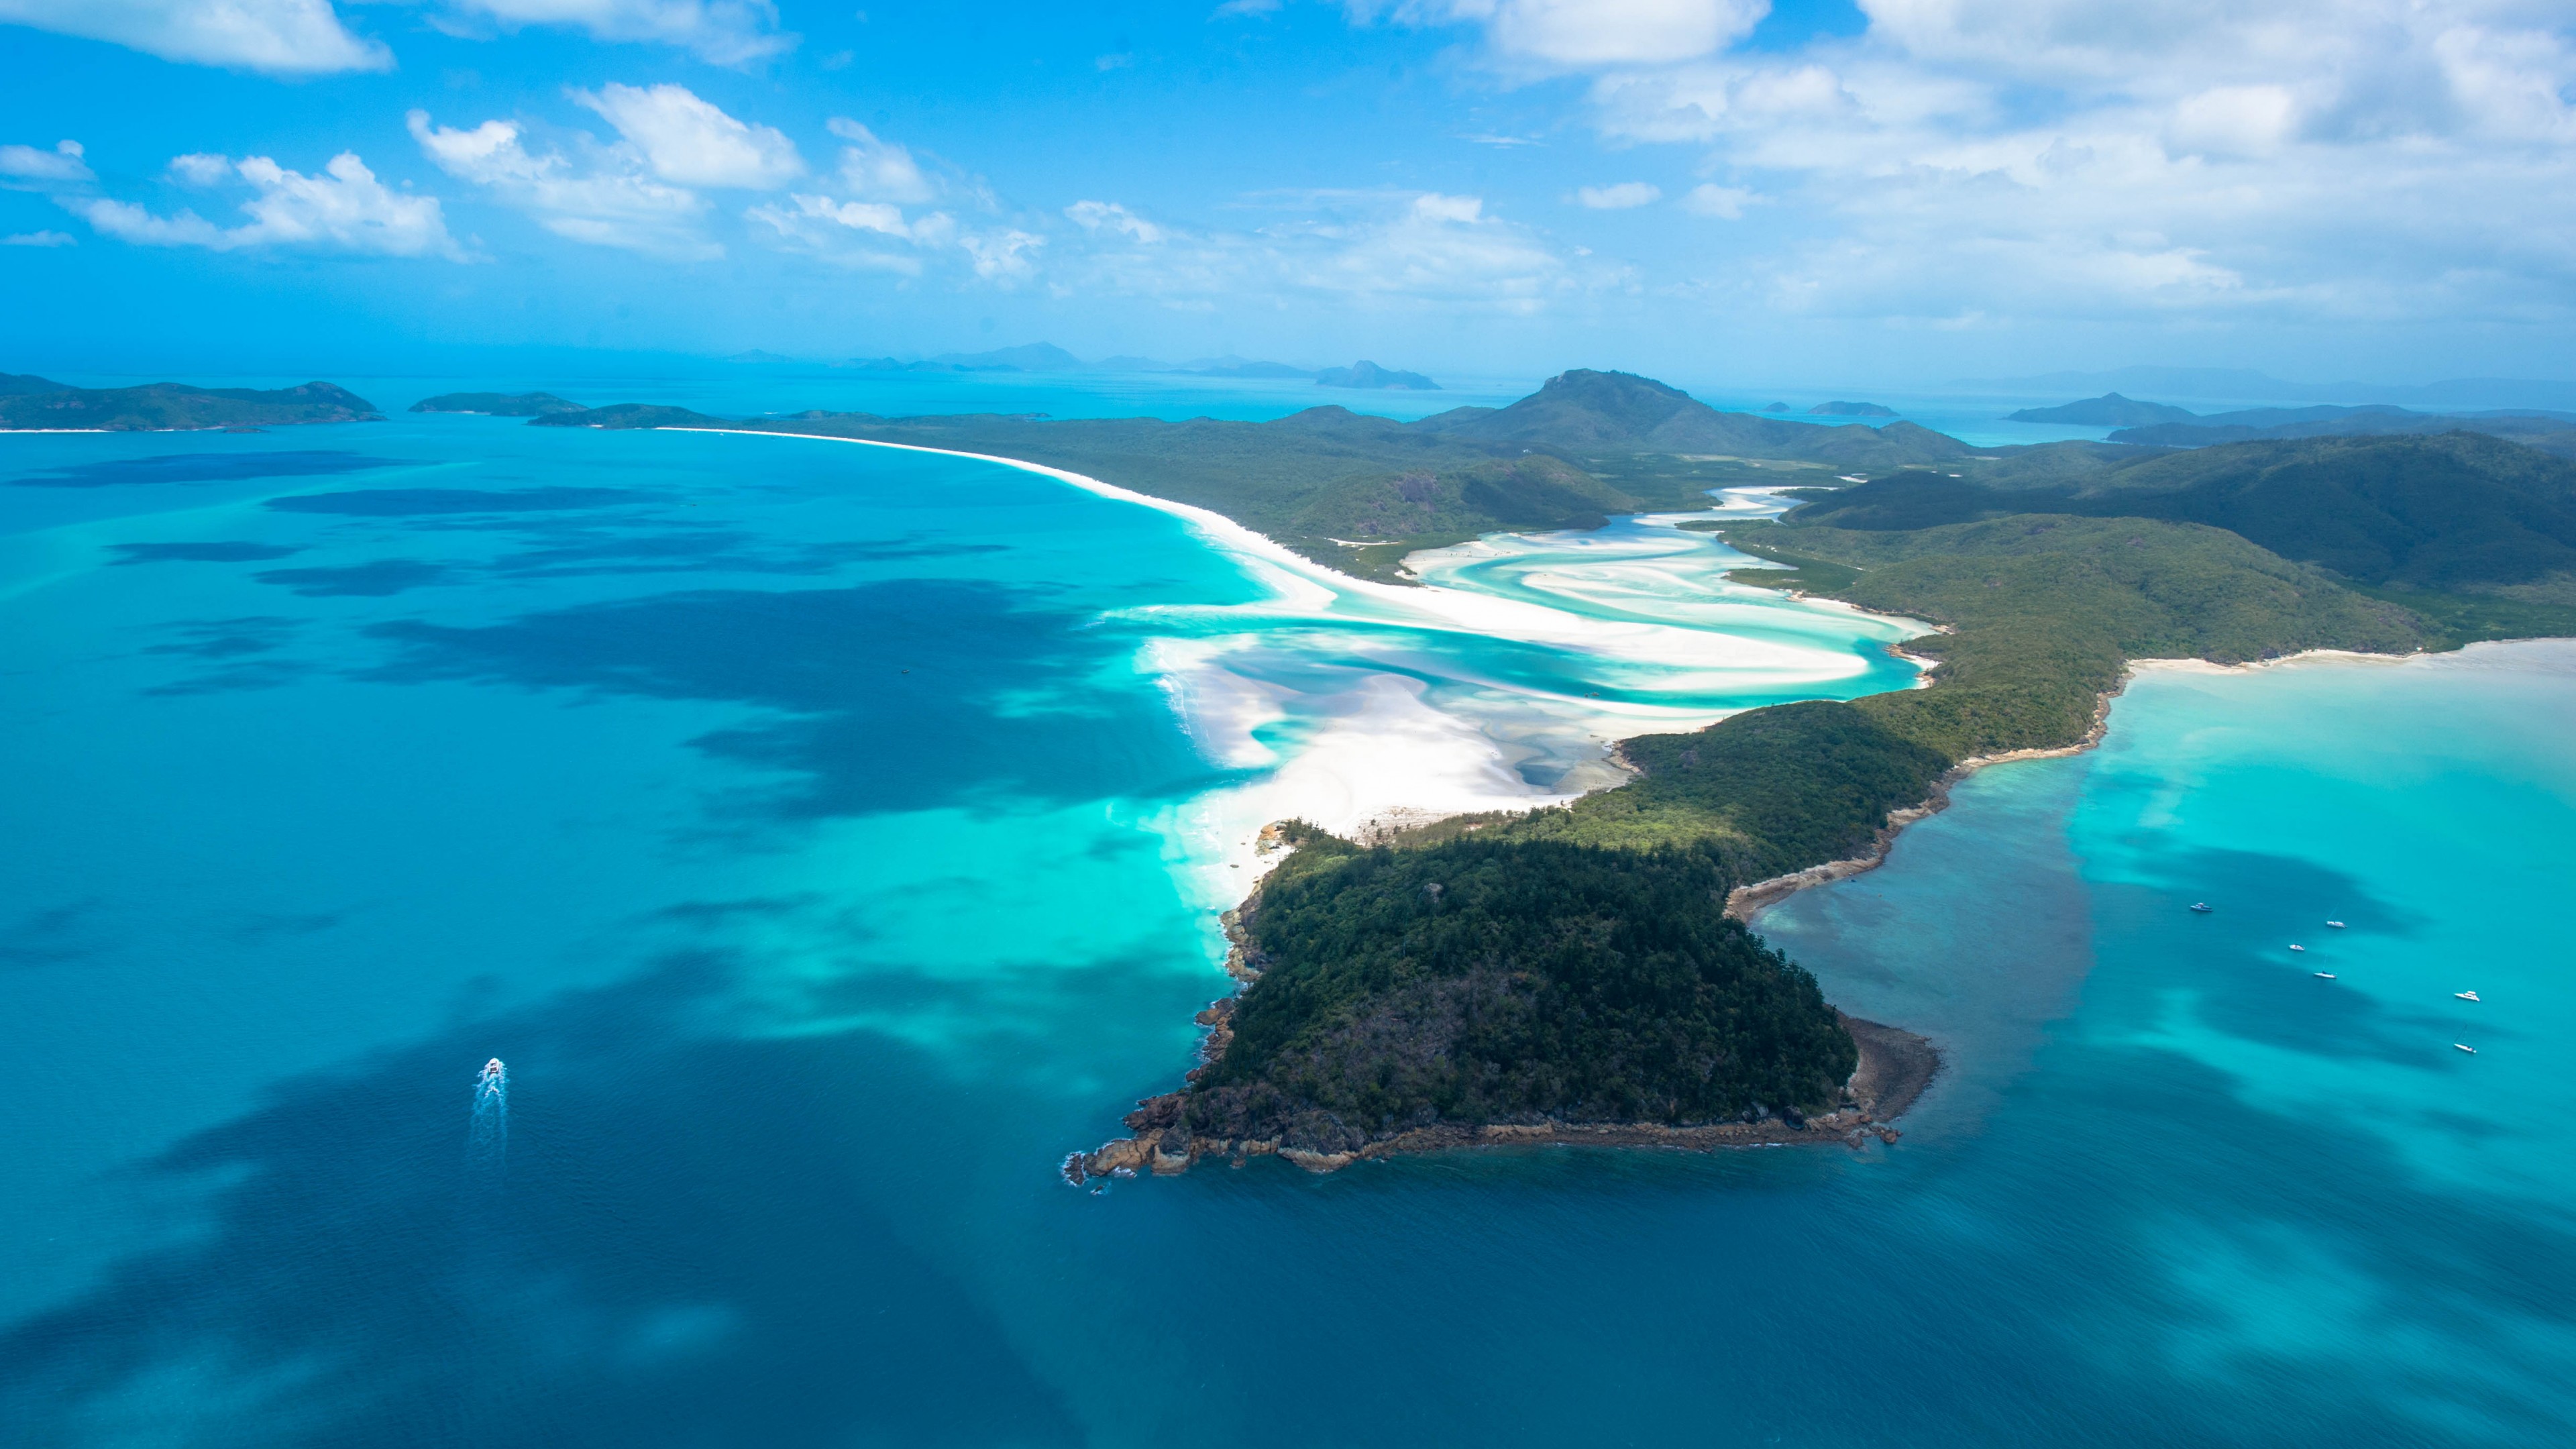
(829, 838)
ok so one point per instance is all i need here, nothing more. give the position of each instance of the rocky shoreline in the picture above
(1895, 1067)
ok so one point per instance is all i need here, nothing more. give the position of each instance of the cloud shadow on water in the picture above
(897, 695)
(683, 1248)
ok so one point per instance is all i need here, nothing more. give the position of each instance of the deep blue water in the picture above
(828, 839)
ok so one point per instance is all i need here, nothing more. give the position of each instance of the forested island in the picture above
(28, 402)
(1583, 973)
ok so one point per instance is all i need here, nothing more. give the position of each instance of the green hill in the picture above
(1474, 981)
(176, 406)
(2457, 511)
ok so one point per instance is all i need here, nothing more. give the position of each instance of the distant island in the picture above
(2167, 426)
(35, 403)
(497, 404)
(1850, 410)
(1369, 374)
(2110, 410)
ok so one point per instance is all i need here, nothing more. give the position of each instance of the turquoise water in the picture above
(828, 838)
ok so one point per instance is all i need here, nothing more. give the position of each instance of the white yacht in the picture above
(2466, 995)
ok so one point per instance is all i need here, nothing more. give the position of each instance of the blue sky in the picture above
(1890, 192)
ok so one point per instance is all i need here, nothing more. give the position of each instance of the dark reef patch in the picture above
(143, 553)
(406, 502)
(372, 580)
(202, 468)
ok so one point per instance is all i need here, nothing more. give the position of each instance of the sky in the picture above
(1893, 192)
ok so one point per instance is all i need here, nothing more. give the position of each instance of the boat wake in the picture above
(489, 1136)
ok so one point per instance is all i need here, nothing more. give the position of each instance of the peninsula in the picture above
(1584, 973)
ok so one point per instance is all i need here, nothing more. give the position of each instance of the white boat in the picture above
(2472, 1051)
(2201, 906)
(2466, 995)
(2338, 925)
(2325, 976)
(2295, 946)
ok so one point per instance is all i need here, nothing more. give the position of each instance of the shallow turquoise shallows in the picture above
(828, 839)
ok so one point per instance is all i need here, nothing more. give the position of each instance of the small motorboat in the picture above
(2325, 976)
(2295, 946)
(2472, 1051)
(2338, 925)
(2201, 907)
(2466, 995)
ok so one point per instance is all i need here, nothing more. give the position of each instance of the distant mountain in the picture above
(497, 404)
(2110, 410)
(1034, 357)
(1777, 407)
(14, 384)
(1124, 363)
(175, 406)
(1369, 374)
(1618, 412)
(1850, 410)
(2245, 385)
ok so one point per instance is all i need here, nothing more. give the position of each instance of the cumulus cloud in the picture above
(278, 37)
(1098, 216)
(1619, 197)
(725, 32)
(1710, 199)
(2332, 159)
(1578, 33)
(40, 239)
(345, 208)
(879, 169)
(688, 141)
(603, 195)
(24, 168)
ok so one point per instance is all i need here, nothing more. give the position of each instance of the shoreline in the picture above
(1896, 1066)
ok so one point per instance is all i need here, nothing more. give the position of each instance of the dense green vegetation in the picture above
(177, 406)
(1476, 981)
(2451, 513)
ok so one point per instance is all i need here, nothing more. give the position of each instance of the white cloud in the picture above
(1096, 216)
(1007, 255)
(1581, 33)
(879, 169)
(345, 208)
(1709, 199)
(40, 239)
(278, 37)
(725, 32)
(1619, 197)
(688, 141)
(24, 168)
(200, 169)
(2327, 160)
(849, 233)
(605, 198)
(1377, 251)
